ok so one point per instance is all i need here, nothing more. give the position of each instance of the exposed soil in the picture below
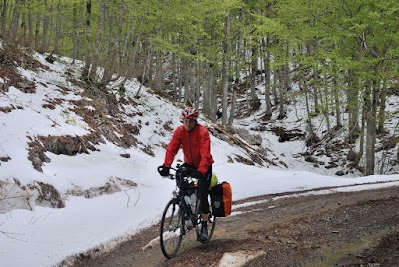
(338, 229)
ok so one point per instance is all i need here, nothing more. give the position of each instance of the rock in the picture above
(340, 173)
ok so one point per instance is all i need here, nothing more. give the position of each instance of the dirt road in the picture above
(338, 229)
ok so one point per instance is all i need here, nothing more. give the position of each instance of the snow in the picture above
(44, 236)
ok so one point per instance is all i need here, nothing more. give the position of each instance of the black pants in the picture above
(203, 189)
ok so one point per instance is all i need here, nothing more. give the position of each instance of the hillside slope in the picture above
(46, 110)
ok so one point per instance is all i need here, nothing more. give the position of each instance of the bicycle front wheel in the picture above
(171, 233)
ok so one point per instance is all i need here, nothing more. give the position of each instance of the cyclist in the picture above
(194, 139)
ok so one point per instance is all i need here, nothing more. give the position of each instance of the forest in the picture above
(340, 55)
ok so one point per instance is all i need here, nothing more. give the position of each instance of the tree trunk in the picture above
(58, 26)
(337, 101)
(185, 82)
(86, 68)
(353, 106)
(305, 89)
(37, 31)
(326, 105)
(197, 83)
(174, 78)
(210, 105)
(316, 85)
(13, 32)
(233, 105)
(158, 72)
(50, 28)
(225, 71)
(282, 91)
(370, 105)
(4, 17)
(76, 23)
(31, 33)
(255, 103)
(99, 42)
(274, 87)
(45, 30)
(180, 74)
(144, 74)
(268, 113)
(382, 106)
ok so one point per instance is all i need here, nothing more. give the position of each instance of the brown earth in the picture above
(337, 229)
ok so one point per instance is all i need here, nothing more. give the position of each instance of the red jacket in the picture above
(196, 147)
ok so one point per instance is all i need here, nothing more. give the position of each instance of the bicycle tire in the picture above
(171, 229)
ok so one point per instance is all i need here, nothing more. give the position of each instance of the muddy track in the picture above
(338, 229)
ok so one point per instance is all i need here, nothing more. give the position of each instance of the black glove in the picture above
(196, 174)
(163, 170)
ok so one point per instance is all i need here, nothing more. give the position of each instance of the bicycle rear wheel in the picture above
(171, 230)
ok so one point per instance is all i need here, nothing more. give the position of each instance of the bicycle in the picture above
(182, 213)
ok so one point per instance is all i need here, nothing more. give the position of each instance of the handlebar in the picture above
(183, 170)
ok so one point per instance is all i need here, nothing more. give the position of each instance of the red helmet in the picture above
(189, 113)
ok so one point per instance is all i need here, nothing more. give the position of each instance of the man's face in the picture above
(189, 124)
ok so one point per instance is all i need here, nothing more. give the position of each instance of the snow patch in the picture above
(239, 258)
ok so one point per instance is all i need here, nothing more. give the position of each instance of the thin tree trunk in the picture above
(302, 81)
(31, 34)
(174, 78)
(316, 85)
(99, 39)
(282, 112)
(45, 30)
(144, 74)
(353, 106)
(255, 103)
(274, 87)
(185, 82)
(211, 102)
(268, 113)
(181, 81)
(22, 36)
(337, 101)
(76, 22)
(58, 36)
(86, 68)
(287, 80)
(158, 72)
(370, 105)
(13, 32)
(51, 28)
(37, 31)
(233, 104)
(225, 71)
(197, 76)
(108, 62)
(4, 17)
(382, 106)
(326, 105)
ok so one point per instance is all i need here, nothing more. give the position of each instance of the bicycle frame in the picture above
(186, 186)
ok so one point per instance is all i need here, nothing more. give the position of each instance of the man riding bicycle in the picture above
(195, 140)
